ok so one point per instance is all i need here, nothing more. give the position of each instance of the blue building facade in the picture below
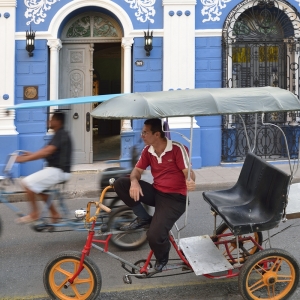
(88, 47)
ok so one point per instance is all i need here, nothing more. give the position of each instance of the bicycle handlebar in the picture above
(99, 206)
(12, 159)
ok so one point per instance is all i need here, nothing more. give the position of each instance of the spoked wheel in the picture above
(269, 274)
(246, 248)
(87, 284)
(129, 240)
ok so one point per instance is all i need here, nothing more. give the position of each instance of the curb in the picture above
(73, 194)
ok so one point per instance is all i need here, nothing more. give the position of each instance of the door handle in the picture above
(88, 122)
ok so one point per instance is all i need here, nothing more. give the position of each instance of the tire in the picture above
(249, 247)
(61, 267)
(269, 274)
(127, 240)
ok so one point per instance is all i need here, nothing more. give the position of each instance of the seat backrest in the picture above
(268, 185)
(251, 173)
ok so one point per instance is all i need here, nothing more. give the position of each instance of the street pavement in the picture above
(25, 253)
(85, 179)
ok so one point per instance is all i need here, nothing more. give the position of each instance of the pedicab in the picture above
(256, 203)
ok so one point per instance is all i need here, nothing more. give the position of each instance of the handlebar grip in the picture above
(105, 208)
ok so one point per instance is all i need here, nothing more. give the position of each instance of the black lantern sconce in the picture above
(30, 35)
(148, 42)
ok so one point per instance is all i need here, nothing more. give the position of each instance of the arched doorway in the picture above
(260, 43)
(90, 64)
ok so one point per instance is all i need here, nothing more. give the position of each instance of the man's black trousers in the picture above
(168, 209)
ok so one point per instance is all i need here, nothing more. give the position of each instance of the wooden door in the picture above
(76, 81)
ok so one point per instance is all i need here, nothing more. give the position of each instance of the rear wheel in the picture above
(246, 248)
(269, 274)
(62, 267)
(127, 240)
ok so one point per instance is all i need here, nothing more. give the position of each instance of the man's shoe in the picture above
(137, 224)
(160, 264)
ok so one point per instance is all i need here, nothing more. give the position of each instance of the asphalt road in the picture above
(24, 254)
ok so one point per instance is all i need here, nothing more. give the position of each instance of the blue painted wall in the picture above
(31, 124)
(8, 144)
(208, 75)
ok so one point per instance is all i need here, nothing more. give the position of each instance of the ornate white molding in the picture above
(61, 14)
(8, 3)
(127, 42)
(36, 10)
(54, 44)
(179, 2)
(208, 32)
(212, 9)
(144, 9)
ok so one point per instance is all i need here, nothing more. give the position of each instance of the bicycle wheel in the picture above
(59, 269)
(269, 274)
(127, 240)
(246, 248)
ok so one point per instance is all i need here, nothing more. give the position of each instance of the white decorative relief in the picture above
(212, 9)
(36, 10)
(145, 9)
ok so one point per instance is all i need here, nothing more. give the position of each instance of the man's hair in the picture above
(59, 116)
(155, 126)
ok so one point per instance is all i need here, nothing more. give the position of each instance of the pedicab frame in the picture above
(197, 102)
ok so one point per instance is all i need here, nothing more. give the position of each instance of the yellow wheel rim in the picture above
(62, 271)
(270, 278)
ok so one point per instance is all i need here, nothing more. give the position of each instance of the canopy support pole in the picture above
(189, 177)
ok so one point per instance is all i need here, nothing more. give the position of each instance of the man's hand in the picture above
(190, 185)
(135, 190)
(24, 157)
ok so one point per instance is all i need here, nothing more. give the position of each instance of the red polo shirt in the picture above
(166, 169)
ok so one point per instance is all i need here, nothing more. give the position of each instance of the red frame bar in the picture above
(144, 269)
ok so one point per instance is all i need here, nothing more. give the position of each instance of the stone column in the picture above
(54, 45)
(7, 63)
(179, 63)
(179, 50)
(127, 44)
(9, 139)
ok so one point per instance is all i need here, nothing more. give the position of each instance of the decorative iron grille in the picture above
(261, 45)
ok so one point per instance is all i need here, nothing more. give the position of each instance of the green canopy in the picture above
(197, 102)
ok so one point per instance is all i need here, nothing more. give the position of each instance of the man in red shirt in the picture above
(169, 167)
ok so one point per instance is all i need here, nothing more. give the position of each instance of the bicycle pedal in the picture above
(40, 226)
(80, 213)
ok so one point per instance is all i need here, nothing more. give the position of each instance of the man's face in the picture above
(148, 137)
(53, 123)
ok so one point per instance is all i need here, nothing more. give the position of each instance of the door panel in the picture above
(75, 81)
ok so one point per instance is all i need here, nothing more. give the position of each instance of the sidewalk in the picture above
(85, 180)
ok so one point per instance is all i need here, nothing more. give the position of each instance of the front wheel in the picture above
(269, 274)
(126, 240)
(62, 267)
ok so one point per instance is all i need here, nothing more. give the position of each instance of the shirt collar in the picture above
(169, 147)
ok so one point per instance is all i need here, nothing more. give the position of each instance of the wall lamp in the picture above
(30, 35)
(148, 42)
